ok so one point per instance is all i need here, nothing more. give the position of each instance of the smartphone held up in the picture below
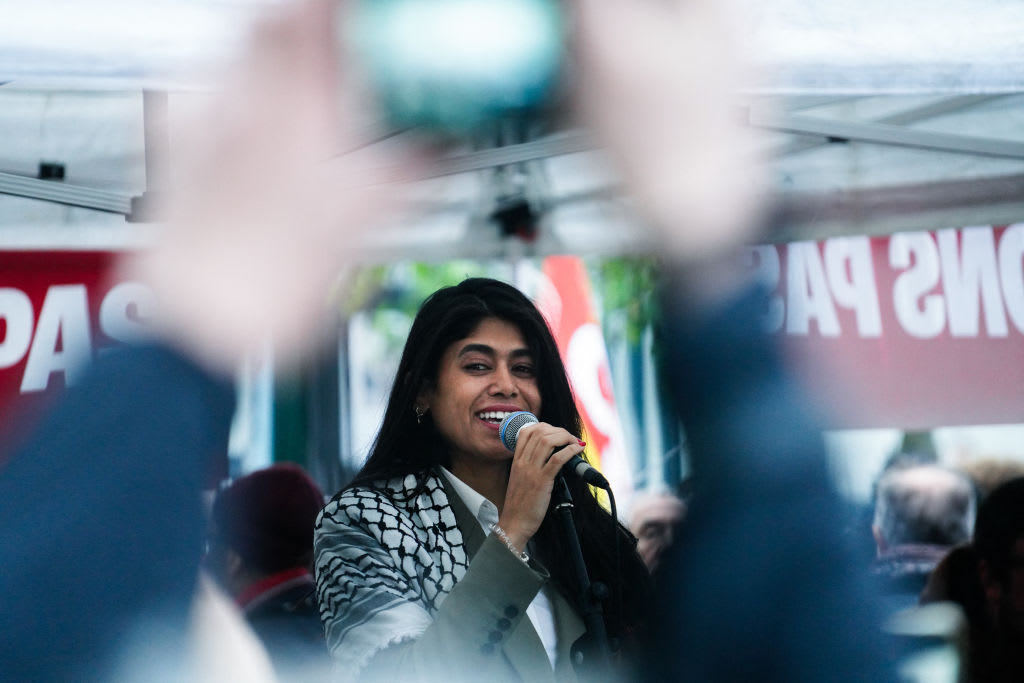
(454, 65)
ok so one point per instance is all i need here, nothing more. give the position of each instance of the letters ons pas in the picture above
(966, 282)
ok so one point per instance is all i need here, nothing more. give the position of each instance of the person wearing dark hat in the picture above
(260, 551)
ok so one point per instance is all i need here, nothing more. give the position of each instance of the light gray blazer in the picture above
(480, 632)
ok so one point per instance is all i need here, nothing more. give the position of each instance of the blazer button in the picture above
(487, 649)
(511, 612)
(495, 636)
(504, 624)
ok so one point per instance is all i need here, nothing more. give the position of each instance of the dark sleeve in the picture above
(761, 583)
(101, 517)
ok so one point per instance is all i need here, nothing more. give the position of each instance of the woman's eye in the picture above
(524, 370)
(475, 367)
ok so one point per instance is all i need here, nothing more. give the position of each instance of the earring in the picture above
(420, 412)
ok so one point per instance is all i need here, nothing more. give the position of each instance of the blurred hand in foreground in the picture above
(268, 198)
(658, 85)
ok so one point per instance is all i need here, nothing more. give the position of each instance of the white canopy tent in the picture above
(884, 117)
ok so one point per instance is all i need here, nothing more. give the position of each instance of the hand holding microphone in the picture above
(509, 432)
(541, 453)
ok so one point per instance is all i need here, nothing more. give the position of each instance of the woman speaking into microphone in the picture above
(440, 560)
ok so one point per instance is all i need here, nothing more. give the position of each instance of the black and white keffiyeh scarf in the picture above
(385, 561)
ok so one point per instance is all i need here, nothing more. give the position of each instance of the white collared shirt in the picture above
(539, 611)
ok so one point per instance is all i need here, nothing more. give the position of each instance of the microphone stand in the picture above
(591, 595)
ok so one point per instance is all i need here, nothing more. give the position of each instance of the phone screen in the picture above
(455, 64)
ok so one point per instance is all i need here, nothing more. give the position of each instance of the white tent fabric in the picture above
(886, 116)
(885, 47)
(806, 46)
(118, 44)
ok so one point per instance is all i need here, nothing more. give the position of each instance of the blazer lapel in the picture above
(523, 647)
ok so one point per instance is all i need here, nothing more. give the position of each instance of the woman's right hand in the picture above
(541, 451)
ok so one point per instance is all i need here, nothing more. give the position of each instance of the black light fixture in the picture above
(515, 217)
(50, 170)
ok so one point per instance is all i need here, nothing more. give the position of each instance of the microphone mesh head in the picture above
(510, 426)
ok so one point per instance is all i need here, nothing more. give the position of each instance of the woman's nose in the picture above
(504, 382)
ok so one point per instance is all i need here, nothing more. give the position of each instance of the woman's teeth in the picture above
(493, 415)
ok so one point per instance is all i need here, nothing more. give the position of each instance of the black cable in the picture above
(618, 554)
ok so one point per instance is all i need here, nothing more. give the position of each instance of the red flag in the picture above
(568, 306)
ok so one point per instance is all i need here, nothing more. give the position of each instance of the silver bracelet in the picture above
(500, 533)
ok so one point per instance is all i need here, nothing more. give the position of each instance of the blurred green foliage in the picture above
(403, 286)
(624, 288)
(627, 286)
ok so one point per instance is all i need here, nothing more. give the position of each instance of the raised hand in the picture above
(658, 84)
(268, 201)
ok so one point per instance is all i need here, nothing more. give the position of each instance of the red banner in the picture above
(57, 310)
(912, 330)
(567, 305)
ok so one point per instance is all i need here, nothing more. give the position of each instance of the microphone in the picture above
(519, 420)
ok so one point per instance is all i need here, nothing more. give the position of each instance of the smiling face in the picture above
(480, 380)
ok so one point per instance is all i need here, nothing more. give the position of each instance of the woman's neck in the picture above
(490, 480)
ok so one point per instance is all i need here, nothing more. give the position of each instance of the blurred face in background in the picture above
(653, 521)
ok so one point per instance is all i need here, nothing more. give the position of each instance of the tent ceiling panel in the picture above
(803, 47)
(848, 155)
(810, 47)
(826, 188)
(97, 137)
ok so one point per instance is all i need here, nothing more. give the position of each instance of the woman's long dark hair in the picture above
(404, 446)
